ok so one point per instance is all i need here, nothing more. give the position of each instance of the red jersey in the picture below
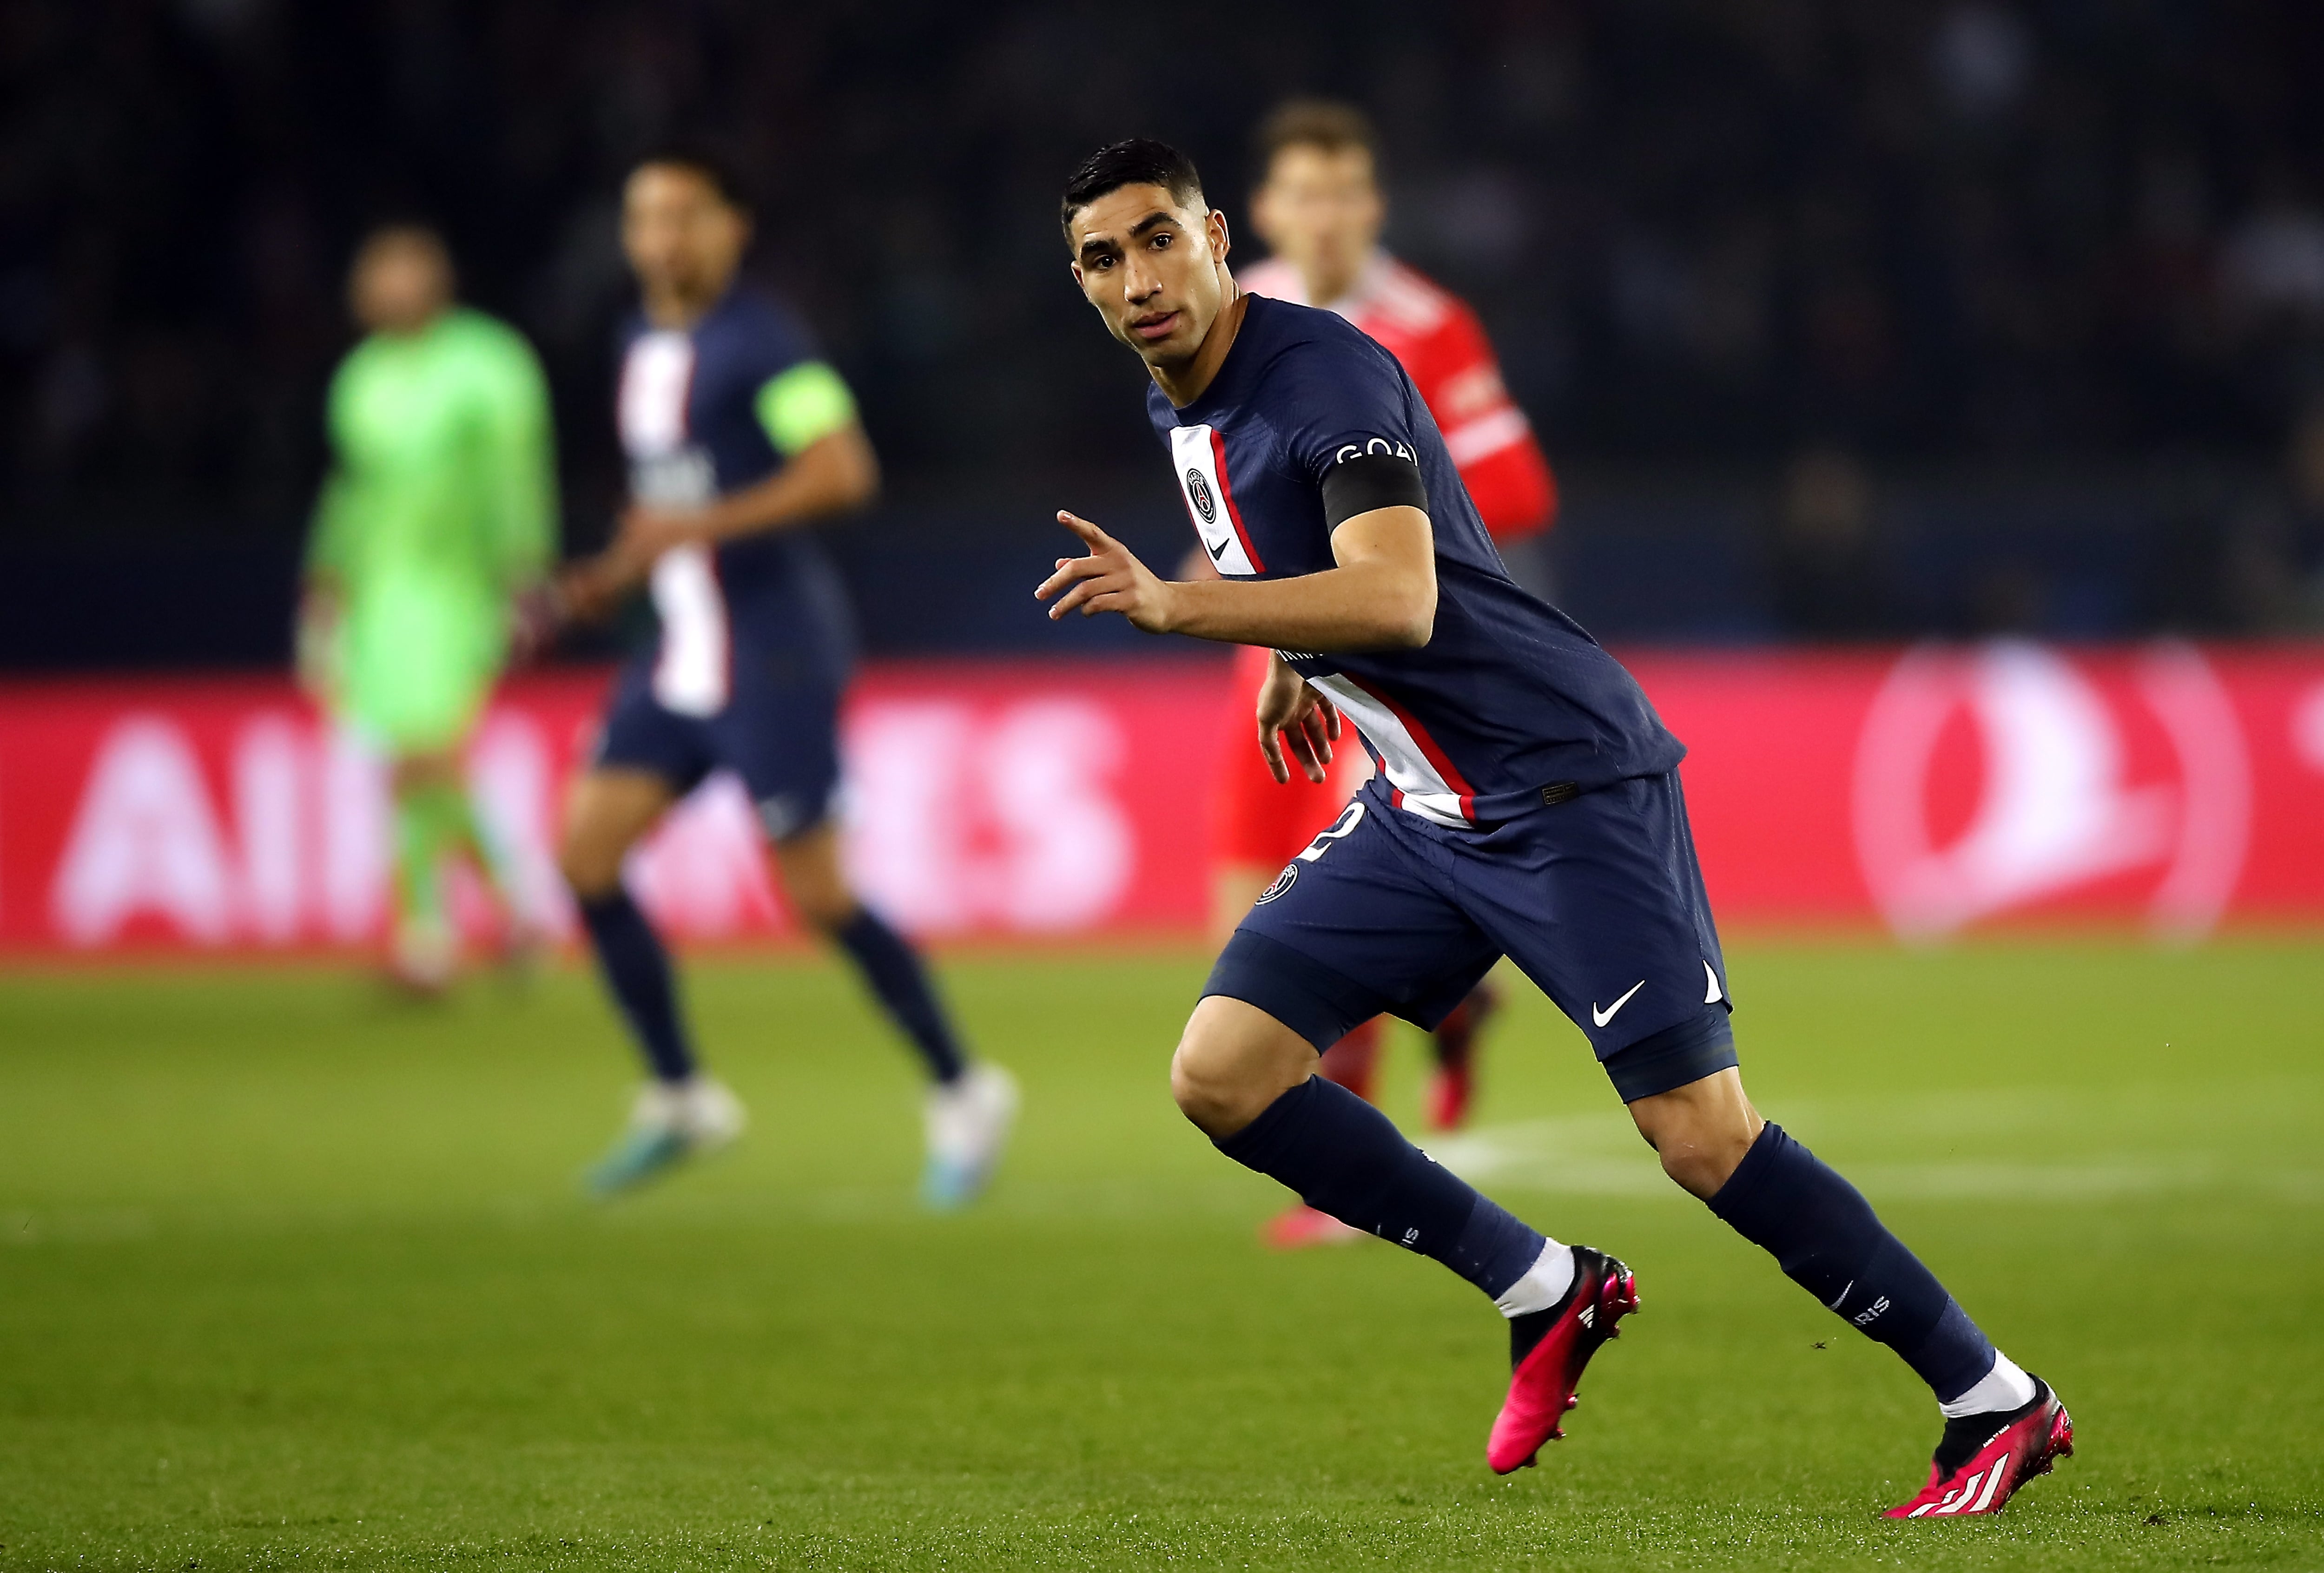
(1441, 346)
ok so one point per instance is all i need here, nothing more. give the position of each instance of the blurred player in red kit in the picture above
(1319, 209)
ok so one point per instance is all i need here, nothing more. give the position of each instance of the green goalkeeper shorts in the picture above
(417, 665)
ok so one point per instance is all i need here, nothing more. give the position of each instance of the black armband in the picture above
(1363, 482)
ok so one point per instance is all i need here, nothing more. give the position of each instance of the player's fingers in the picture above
(1089, 586)
(1084, 528)
(1331, 713)
(1272, 751)
(1070, 571)
(1304, 758)
(1318, 736)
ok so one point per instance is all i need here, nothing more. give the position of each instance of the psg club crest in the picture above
(1198, 491)
(1283, 882)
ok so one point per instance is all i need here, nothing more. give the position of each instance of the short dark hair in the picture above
(1327, 124)
(711, 164)
(1139, 161)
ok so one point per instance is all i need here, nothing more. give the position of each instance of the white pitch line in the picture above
(1592, 1157)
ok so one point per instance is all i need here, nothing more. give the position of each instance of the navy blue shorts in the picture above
(782, 739)
(1598, 899)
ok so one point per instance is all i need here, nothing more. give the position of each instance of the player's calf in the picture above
(1345, 1158)
(2003, 1426)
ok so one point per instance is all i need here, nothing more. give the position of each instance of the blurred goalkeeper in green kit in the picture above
(433, 530)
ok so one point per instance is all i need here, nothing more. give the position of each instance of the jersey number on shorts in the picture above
(1341, 828)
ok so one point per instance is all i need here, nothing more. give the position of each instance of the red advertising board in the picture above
(1930, 791)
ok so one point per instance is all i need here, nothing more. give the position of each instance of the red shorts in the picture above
(1256, 821)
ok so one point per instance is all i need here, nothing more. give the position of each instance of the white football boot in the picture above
(968, 1126)
(672, 1121)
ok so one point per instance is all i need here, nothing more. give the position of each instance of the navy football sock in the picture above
(1826, 1237)
(1347, 1158)
(894, 971)
(637, 969)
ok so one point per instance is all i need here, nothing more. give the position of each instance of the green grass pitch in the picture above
(292, 1277)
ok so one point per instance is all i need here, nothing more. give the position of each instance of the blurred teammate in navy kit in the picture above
(1526, 804)
(737, 434)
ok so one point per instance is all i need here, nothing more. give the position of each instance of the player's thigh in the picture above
(1598, 901)
(782, 740)
(646, 757)
(1357, 925)
(608, 808)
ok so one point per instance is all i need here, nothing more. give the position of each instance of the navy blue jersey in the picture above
(1510, 699)
(690, 426)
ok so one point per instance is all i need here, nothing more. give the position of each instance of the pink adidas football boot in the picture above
(1547, 1350)
(1983, 1459)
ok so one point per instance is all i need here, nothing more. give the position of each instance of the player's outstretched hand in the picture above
(1295, 724)
(537, 614)
(1109, 579)
(590, 590)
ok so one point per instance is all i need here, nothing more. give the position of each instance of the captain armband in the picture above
(1362, 481)
(800, 407)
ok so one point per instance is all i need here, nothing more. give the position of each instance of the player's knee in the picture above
(591, 868)
(1232, 1063)
(1210, 1087)
(823, 910)
(1700, 1131)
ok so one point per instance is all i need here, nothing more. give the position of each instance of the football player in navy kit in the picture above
(1526, 804)
(737, 436)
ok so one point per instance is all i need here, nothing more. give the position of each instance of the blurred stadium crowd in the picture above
(1873, 302)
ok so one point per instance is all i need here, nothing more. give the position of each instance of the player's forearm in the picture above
(1360, 606)
(838, 473)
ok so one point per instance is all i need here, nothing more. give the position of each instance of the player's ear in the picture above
(1216, 221)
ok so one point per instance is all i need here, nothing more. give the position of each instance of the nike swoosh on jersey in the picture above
(1603, 1016)
(1218, 552)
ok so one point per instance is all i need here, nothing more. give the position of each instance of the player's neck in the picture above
(411, 329)
(678, 309)
(1327, 286)
(1183, 384)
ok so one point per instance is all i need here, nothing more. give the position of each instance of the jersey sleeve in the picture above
(802, 405)
(798, 397)
(1348, 425)
(519, 465)
(329, 533)
(1491, 442)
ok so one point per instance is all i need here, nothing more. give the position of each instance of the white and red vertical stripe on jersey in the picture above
(656, 375)
(693, 670)
(1200, 456)
(1422, 776)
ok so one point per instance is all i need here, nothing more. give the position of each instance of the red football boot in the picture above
(1983, 1459)
(1298, 1227)
(1453, 1085)
(1547, 1350)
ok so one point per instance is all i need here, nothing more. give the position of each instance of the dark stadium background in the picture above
(1847, 319)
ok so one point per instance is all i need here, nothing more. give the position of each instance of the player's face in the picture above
(683, 241)
(1320, 210)
(1154, 270)
(399, 283)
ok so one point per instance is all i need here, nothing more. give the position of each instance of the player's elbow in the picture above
(1411, 617)
(862, 482)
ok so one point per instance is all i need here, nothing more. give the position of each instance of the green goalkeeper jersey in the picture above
(438, 509)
